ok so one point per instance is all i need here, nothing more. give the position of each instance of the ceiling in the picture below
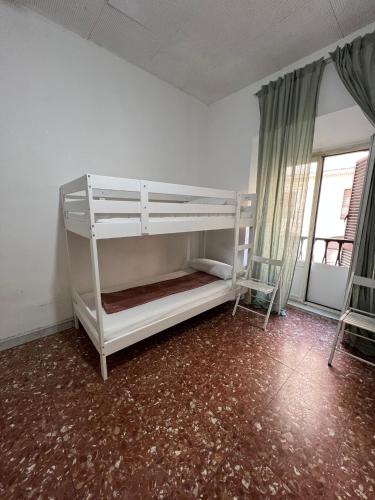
(209, 48)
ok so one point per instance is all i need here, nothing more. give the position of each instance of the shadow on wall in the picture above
(125, 260)
(60, 280)
(219, 245)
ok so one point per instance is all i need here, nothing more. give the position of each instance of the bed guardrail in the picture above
(111, 207)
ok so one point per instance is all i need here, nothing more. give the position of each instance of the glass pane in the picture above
(338, 207)
(307, 212)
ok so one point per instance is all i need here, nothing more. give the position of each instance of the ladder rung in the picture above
(247, 196)
(244, 247)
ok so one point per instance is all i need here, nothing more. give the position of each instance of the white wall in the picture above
(233, 123)
(233, 127)
(69, 107)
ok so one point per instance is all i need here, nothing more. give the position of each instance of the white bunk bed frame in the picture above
(99, 207)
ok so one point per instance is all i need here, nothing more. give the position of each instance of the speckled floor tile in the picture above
(299, 435)
(33, 463)
(212, 408)
(241, 477)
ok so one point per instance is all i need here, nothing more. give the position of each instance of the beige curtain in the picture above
(287, 120)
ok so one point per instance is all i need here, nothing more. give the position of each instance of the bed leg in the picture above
(76, 322)
(103, 366)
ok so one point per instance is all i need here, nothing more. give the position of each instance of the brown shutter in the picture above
(354, 207)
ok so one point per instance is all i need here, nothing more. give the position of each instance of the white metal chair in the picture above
(252, 284)
(355, 317)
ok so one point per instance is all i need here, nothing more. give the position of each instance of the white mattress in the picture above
(139, 316)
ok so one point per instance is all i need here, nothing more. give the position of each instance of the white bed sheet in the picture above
(139, 316)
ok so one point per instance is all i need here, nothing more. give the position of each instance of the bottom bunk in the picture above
(124, 328)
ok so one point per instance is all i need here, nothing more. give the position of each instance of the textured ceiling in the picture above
(209, 48)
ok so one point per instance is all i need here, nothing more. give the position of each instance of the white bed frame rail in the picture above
(111, 207)
(99, 207)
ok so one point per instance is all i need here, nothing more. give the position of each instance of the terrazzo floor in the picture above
(212, 408)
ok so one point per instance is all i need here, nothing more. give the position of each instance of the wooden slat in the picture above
(190, 208)
(247, 246)
(76, 205)
(181, 189)
(174, 225)
(116, 207)
(113, 183)
(75, 186)
(114, 193)
(106, 230)
(362, 281)
(78, 225)
(264, 260)
(248, 196)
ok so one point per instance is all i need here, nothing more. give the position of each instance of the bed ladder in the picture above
(247, 244)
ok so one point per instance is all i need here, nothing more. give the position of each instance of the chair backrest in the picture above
(362, 281)
(264, 260)
(268, 262)
(359, 281)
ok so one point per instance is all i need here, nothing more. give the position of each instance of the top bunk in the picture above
(103, 207)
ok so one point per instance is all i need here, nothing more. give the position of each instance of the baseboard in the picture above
(36, 334)
(315, 309)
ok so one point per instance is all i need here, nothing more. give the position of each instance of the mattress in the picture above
(137, 317)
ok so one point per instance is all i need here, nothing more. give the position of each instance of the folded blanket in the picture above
(125, 299)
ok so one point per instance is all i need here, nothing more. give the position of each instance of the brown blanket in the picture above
(125, 299)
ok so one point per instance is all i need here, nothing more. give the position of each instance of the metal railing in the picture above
(336, 250)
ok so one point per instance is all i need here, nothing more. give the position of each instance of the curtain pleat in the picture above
(355, 64)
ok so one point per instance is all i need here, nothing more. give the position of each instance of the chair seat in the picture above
(359, 320)
(256, 285)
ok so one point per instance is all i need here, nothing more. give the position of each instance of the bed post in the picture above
(70, 276)
(236, 237)
(96, 281)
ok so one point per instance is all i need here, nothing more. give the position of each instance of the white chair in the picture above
(250, 283)
(355, 317)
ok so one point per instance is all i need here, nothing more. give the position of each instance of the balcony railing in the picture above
(334, 250)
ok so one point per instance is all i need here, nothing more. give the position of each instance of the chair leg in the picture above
(279, 302)
(340, 328)
(270, 308)
(236, 304)
(267, 316)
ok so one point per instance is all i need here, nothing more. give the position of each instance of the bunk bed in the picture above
(101, 207)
